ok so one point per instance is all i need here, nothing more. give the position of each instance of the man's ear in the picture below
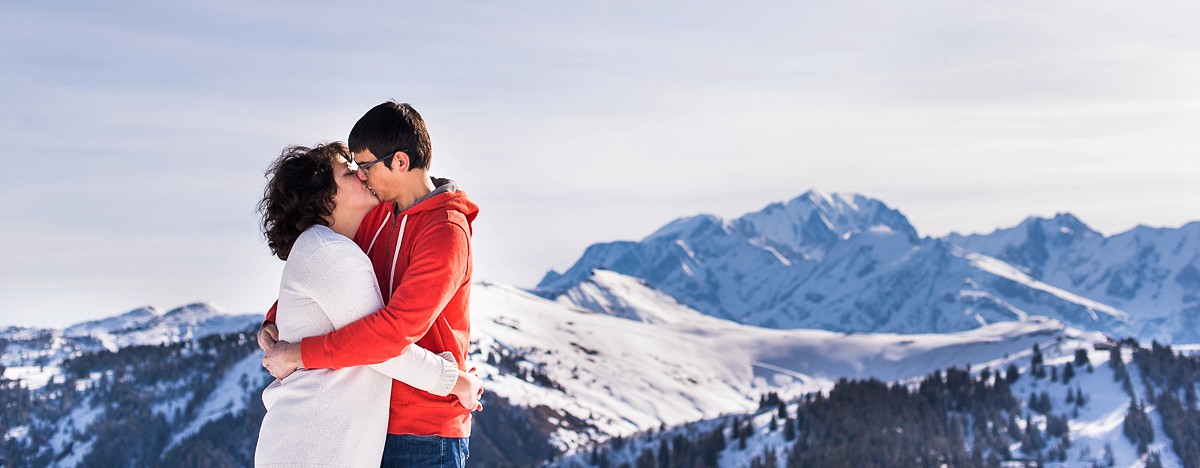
(400, 162)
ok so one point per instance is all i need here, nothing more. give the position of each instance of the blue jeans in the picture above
(402, 451)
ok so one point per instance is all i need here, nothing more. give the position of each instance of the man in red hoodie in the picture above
(419, 241)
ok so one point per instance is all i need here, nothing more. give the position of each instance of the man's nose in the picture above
(362, 175)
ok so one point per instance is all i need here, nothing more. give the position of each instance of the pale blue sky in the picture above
(135, 134)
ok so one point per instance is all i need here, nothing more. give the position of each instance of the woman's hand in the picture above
(268, 336)
(468, 389)
(283, 359)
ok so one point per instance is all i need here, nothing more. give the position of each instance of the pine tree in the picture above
(1138, 428)
(1154, 460)
(1033, 442)
(1057, 426)
(1117, 363)
(1035, 366)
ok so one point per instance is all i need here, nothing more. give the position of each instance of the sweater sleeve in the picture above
(270, 315)
(437, 268)
(342, 283)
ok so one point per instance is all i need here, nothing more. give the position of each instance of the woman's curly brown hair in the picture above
(299, 193)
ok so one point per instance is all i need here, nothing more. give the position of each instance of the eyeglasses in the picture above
(362, 168)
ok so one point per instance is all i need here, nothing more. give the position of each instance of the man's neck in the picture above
(408, 198)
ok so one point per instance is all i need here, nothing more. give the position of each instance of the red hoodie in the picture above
(422, 259)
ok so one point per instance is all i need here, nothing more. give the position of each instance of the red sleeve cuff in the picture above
(270, 314)
(312, 354)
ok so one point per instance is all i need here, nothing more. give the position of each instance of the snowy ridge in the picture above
(145, 326)
(627, 297)
(845, 262)
(31, 350)
(1152, 274)
(1005, 270)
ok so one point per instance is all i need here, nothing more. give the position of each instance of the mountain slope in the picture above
(623, 375)
(1151, 273)
(1066, 405)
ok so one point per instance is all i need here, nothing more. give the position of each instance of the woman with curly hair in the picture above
(312, 206)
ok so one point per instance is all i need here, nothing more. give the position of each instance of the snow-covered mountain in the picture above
(849, 263)
(1153, 274)
(146, 326)
(27, 348)
(571, 376)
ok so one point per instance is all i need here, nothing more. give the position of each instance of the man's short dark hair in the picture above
(390, 127)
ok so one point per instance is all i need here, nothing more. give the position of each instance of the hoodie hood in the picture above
(446, 194)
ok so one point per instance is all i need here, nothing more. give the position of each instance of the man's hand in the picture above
(468, 389)
(282, 359)
(268, 336)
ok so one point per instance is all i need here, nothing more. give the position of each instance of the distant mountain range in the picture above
(850, 263)
(142, 326)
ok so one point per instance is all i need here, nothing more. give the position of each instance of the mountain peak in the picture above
(133, 318)
(816, 196)
(196, 311)
(194, 306)
(816, 218)
(688, 226)
(1061, 228)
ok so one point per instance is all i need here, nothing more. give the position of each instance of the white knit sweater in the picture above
(326, 417)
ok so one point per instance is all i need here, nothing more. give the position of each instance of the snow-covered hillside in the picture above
(852, 264)
(1090, 401)
(649, 361)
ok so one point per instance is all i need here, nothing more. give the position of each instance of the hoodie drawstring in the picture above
(381, 225)
(396, 256)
